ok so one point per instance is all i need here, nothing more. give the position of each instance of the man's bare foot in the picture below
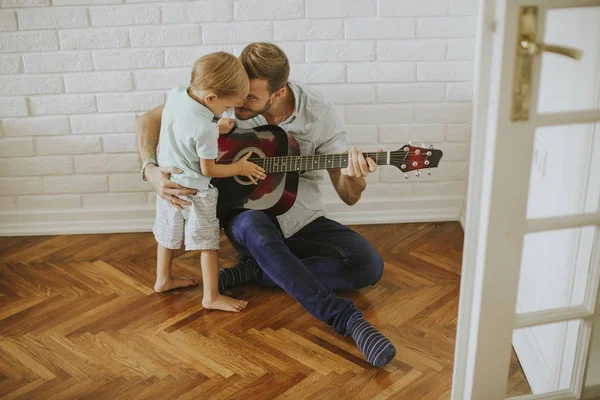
(173, 283)
(224, 303)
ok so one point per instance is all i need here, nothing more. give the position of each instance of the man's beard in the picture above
(254, 113)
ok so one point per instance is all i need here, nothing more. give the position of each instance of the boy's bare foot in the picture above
(224, 303)
(174, 283)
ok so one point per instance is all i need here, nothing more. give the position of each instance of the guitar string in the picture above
(290, 167)
(280, 161)
(393, 157)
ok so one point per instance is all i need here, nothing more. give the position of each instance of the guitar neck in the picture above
(315, 162)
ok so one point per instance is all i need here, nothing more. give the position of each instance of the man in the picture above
(301, 251)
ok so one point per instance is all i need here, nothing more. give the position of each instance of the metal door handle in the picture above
(533, 48)
(527, 48)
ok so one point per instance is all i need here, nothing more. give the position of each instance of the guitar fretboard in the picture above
(309, 163)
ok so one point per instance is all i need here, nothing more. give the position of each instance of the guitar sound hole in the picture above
(243, 180)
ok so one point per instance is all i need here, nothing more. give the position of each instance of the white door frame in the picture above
(481, 85)
(498, 246)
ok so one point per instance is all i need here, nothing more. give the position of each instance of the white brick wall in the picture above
(318, 73)
(412, 50)
(74, 74)
(106, 163)
(153, 79)
(461, 49)
(109, 200)
(57, 62)
(63, 104)
(10, 64)
(8, 21)
(128, 59)
(308, 30)
(395, 8)
(125, 15)
(119, 143)
(335, 51)
(129, 101)
(166, 35)
(267, 9)
(207, 11)
(35, 126)
(76, 184)
(52, 17)
(411, 93)
(21, 185)
(13, 107)
(36, 166)
(447, 27)
(378, 28)
(94, 39)
(48, 202)
(68, 145)
(184, 56)
(16, 148)
(237, 32)
(28, 41)
(407, 132)
(381, 72)
(99, 82)
(23, 85)
(109, 123)
(340, 8)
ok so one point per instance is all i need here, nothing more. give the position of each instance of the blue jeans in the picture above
(322, 257)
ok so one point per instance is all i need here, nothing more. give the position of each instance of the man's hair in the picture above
(221, 73)
(264, 60)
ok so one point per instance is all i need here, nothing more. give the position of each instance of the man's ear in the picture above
(278, 93)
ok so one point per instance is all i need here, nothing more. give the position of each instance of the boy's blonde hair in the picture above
(222, 73)
(265, 60)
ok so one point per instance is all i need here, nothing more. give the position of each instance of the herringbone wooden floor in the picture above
(79, 319)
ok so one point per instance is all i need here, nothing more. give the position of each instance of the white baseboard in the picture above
(394, 216)
(530, 355)
(463, 218)
(592, 392)
(66, 222)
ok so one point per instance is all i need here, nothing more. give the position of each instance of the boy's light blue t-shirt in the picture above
(187, 134)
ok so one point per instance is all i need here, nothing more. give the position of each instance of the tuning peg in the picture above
(428, 171)
(405, 175)
(431, 146)
(417, 173)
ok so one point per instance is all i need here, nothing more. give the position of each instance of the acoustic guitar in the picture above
(279, 154)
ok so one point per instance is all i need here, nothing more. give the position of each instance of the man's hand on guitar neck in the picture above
(350, 182)
(358, 166)
(158, 177)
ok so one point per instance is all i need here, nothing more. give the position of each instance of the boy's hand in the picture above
(249, 169)
(225, 125)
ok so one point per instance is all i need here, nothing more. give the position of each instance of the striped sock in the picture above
(242, 273)
(376, 348)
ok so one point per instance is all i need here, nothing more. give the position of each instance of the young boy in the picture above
(188, 140)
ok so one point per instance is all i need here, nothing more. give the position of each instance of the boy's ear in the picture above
(211, 97)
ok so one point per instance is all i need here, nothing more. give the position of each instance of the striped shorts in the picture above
(199, 222)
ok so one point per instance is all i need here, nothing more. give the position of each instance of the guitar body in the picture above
(279, 154)
(277, 193)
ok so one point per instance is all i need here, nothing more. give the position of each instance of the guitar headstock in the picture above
(411, 158)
